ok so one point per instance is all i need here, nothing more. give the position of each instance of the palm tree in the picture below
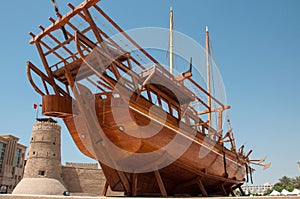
(296, 182)
(286, 181)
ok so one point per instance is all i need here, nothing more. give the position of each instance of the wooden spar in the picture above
(90, 20)
(220, 123)
(31, 67)
(205, 92)
(64, 20)
(125, 34)
(47, 68)
(171, 41)
(214, 110)
(208, 74)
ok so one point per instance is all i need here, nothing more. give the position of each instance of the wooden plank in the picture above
(160, 183)
(187, 183)
(202, 188)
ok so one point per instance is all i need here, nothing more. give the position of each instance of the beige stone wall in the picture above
(82, 165)
(85, 181)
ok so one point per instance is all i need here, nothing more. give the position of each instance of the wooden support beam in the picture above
(92, 82)
(134, 184)
(223, 190)
(202, 102)
(100, 31)
(231, 192)
(31, 67)
(160, 183)
(124, 181)
(202, 188)
(64, 19)
(104, 191)
(46, 66)
(242, 191)
(58, 42)
(214, 110)
(89, 19)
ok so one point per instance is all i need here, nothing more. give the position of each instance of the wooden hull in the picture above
(218, 170)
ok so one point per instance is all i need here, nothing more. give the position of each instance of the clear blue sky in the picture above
(257, 45)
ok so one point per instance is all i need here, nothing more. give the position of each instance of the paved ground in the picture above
(83, 197)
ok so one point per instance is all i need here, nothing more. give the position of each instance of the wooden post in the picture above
(104, 191)
(171, 41)
(242, 191)
(160, 183)
(202, 188)
(134, 184)
(124, 181)
(231, 192)
(208, 74)
(223, 190)
(220, 123)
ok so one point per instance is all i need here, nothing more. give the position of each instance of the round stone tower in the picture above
(43, 170)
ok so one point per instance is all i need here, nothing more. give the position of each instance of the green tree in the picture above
(286, 181)
(278, 187)
(268, 192)
(296, 182)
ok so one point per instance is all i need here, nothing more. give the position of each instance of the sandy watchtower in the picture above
(43, 170)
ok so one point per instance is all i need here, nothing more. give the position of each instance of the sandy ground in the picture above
(8, 196)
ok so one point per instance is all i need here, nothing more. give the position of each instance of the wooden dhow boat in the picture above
(139, 124)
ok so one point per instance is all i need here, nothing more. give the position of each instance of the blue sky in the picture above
(256, 44)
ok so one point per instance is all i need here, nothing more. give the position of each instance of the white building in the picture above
(257, 189)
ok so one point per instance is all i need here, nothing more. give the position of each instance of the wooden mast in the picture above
(171, 41)
(208, 74)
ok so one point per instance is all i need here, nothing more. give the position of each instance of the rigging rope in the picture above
(59, 16)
